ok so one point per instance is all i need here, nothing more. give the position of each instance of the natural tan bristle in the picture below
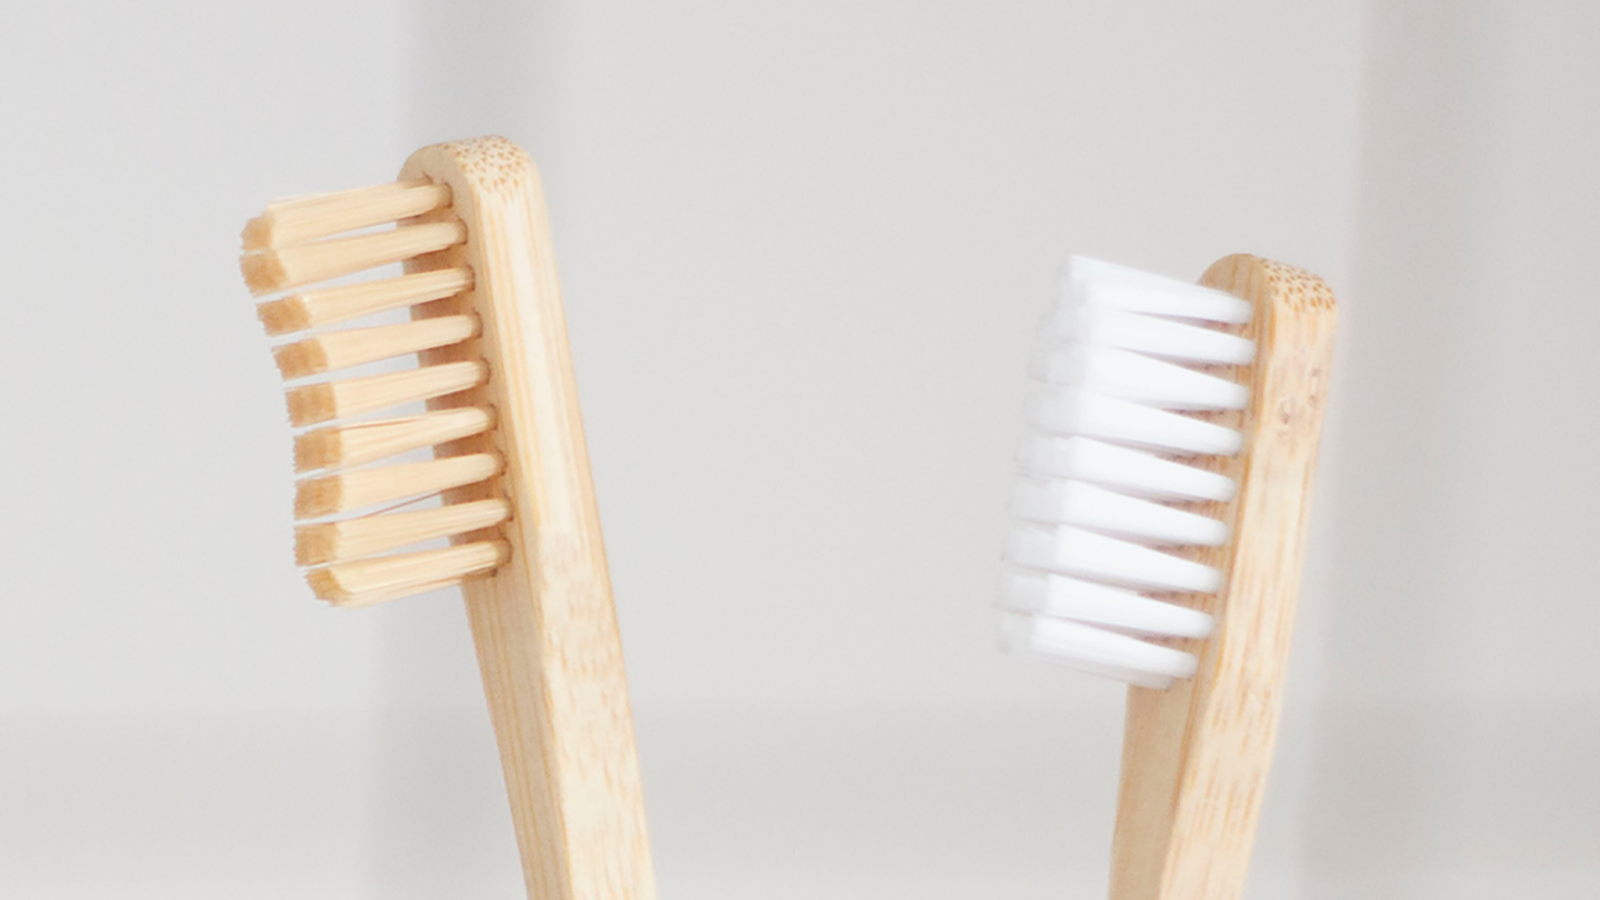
(312, 404)
(358, 346)
(311, 218)
(263, 272)
(367, 581)
(330, 306)
(317, 450)
(256, 234)
(329, 494)
(300, 359)
(281, 268)
(299, 202)
(369, 535)
(354, 445)
(316, 497)
(329, 400)
(325, 586)
(284, 316)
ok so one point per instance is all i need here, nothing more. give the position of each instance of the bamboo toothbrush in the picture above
(509, 459)
(1160, 525)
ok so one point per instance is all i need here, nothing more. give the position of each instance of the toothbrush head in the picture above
(1124, 502)
(318, 263)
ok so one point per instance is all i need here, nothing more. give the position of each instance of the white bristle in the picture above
(1086, 601)
(1133, 376)
(1127, 470)
(1092, 527)
(1074, 410)
(1102, 284)
(1148, 334)
(1063, 502)
(1118, 655)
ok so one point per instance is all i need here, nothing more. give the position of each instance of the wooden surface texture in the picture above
(1196, 757)
(544, 625)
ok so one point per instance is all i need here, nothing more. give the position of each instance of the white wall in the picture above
(803, 248)
(176, 720)
(1456, 735)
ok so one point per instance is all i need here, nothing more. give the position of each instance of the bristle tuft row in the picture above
(314, 404)
(296, 245)
(358, 346)
(330, 306)
(1130, 366)
(331, 494)
(370, 535)
(338, 447)
(308, 219)
(368, 581)
(281, 268)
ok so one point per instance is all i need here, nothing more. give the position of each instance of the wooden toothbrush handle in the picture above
(544, 624)
(1195, 758)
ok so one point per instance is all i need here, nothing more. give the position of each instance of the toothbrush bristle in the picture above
(1140, 387)
(330, 306)
(305, 219)
(327, 495)
(279, 268)
(313, 404)
(370, 535)
(262, 272)
(358, 346)
(343, 446)
(296, 245)
(364, 582)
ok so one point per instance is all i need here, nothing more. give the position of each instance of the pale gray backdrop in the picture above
(804, 246)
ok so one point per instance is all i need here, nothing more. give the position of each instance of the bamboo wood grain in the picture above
(544, 625)
(1196, 757)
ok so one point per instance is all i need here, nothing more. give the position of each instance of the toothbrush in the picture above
(1159, 527)
(510, 462)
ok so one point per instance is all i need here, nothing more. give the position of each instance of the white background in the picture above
(803, 246)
